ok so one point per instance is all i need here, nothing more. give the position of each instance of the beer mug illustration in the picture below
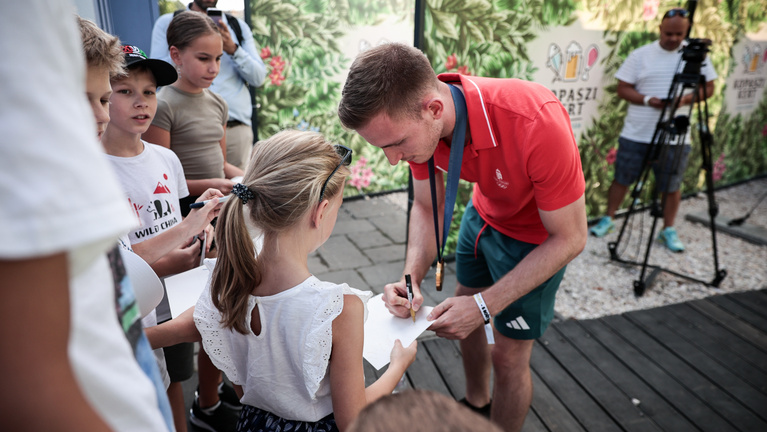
(573, 56)
(754, 59)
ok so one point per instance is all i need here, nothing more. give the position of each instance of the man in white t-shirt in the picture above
(644, 80)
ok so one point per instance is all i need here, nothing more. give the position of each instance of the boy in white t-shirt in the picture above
(153, 180)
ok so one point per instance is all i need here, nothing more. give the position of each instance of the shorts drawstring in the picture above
(476, 242)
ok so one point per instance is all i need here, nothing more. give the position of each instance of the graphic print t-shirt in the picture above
(153, 182)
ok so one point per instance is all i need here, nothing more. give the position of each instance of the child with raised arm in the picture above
(191, 119)
(291, 343)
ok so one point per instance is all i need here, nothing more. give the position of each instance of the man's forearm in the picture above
(421, 247)
(537, 267)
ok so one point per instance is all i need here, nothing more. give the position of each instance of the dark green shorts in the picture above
(483, 256)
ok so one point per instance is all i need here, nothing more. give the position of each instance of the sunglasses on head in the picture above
(676, 12)
(346, 159)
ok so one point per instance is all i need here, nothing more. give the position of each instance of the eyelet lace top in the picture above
(284, 369)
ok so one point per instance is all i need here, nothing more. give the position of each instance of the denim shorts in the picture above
(483, 256)
(630, 162)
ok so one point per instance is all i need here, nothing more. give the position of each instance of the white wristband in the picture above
(486, 317)
(647, 100)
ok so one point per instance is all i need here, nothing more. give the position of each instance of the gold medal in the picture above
(439, 275)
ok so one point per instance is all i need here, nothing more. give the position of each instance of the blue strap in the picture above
(453, 170)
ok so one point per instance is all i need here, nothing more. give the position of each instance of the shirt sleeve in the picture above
(629, 70)
(159, 48)
(250, 67)
(163, 118)
(553, 159)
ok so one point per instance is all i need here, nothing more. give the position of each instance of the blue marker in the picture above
(202, 203)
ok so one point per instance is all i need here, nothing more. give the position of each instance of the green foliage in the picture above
(743, 143)
(168, 6)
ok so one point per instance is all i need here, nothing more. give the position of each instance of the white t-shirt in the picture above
(153, 182)
(65, 198)
(651, 70)
(295, 344)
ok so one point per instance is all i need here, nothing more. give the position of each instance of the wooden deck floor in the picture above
(700, 365)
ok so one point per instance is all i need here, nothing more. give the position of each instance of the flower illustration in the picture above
(266, 53)
(650, 9)
(611, 155)
(719, 168)
(464, 70)
(452, 62)
(361, 175)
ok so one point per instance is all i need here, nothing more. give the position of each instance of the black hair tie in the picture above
(242, 192)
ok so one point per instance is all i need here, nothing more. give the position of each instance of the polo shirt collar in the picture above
(482, 135)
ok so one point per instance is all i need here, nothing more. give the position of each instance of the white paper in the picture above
(185, 288)
(382, 329)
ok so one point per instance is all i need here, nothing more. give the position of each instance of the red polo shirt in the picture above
(521, 157)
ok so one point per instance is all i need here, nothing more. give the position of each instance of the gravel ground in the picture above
(596, 286)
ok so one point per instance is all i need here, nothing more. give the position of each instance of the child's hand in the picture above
(402, 356)
(224, 185)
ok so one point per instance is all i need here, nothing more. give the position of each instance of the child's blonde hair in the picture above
(187, 26)
(285, 176)
(101, 48)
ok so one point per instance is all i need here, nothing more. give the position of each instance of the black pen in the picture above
(409, 285)
(202, 203)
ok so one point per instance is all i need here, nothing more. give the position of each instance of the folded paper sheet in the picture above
(382, 329)
(185, 288)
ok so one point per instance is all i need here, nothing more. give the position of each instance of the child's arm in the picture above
(155, 248)
(37, 371)
(229, 169)
(197, 187)
(157, 135)
(347, 378)
(178, 330)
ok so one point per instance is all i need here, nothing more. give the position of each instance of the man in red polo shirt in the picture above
(526, 220)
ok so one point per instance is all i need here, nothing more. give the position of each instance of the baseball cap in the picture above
(164, 73)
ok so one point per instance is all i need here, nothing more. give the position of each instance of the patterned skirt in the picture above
(254, 419)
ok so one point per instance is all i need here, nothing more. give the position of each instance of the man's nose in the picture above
(393, 156)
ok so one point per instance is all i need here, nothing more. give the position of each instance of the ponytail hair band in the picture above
(243, 193)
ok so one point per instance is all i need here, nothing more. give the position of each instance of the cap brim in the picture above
(164, 73)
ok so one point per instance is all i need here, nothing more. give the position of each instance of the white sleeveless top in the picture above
(284, 369)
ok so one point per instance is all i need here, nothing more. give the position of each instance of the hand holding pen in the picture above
(409, 286)
(396, 298)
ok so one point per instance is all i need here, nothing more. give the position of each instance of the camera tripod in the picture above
(669, 136)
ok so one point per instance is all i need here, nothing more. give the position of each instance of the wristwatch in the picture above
(647, 100)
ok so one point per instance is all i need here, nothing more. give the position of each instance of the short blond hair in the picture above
(101, 49)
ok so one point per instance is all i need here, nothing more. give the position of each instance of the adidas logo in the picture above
(518, 323)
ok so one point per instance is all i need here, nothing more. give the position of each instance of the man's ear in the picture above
(435, 105)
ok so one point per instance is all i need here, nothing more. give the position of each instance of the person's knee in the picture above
(511, 358)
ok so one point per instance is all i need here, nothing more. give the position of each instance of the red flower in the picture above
(719, 168)
(464, 70)
(611, 155)
(276, 77)
(277, 63)
(764, 130)
(266, 53)
(452, 62)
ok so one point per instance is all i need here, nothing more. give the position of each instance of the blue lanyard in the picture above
(453, 174)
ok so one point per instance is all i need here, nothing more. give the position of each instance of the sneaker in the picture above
(669, 238)
(229, 397)
(218, 418)
(604, 227)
